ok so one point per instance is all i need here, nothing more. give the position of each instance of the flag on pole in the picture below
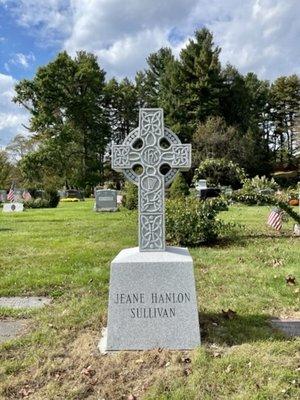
(26, 195)
(11, 193)
(275, 219)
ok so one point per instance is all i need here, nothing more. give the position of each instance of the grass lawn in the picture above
(65, 253)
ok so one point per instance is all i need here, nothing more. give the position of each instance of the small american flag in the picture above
(275, 219)
(26, 195)
(11, 194)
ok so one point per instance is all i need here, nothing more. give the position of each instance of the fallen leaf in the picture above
(89, 371)
(228, 369)
(290, 280)
(139, 361)
(229, 314)
(25, 392)
(187, 371)
(277, 262)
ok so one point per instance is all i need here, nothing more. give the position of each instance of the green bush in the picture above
(260, 183)
(251, 198)
(258, 190)
(130, 196)
(53, 198)
(220, 172)
(36, 203)
(50, 199)
(179, 187)
(190, 222)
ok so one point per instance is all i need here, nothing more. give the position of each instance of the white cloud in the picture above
(11, 115)
(48, 21)
(22, 59)
(255, 35)
(260, 36)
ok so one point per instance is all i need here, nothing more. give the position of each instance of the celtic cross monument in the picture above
(143, 148)
(152, 296)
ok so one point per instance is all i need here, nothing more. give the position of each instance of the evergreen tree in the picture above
(179, 188)
(123, 106)
(148, 82)
(201, 79)
(285, 104)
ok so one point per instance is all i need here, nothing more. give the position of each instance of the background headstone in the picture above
(13, 207)
(74, 194)
(3, 196)
(105, 200)
(18, 195)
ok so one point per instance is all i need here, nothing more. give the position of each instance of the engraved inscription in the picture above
(152, 305)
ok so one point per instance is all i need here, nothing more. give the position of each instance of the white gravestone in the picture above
(3, 196)
(152, 296)
(106, 200)
(13, 207)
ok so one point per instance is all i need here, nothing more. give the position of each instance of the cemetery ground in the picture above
(65, 254)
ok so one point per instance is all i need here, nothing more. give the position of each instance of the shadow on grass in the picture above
(215, 328)
(269, 236)
(242, 240)
(5, 229)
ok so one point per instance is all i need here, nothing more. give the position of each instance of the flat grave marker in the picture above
(13, 207)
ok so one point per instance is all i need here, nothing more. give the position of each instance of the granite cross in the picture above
(159, 154)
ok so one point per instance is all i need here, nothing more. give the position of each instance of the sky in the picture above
(260, 36)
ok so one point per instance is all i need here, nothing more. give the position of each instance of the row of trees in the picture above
(75, 113)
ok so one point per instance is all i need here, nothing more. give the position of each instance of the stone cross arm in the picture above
(177, 156)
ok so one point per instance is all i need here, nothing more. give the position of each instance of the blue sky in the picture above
(255, 35)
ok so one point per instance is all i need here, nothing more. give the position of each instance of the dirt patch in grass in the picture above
(81, 372)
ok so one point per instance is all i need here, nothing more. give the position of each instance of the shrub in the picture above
(258, 190)
(36, 203)
(220, 172)
(53, 198)
(251, 198)
(190, 222)
(130, 196)
(260, 183)
(179, 187)
(50, 200)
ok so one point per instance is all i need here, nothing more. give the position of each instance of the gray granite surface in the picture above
(158, 154)
(105, 200)
(11, 329)
(152, 301)
(24, 302)
(290, 327)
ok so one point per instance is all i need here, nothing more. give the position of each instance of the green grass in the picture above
(65, 253)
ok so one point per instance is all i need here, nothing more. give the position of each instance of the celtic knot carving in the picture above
(152, 235)
(121, 157)
(151, 156)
